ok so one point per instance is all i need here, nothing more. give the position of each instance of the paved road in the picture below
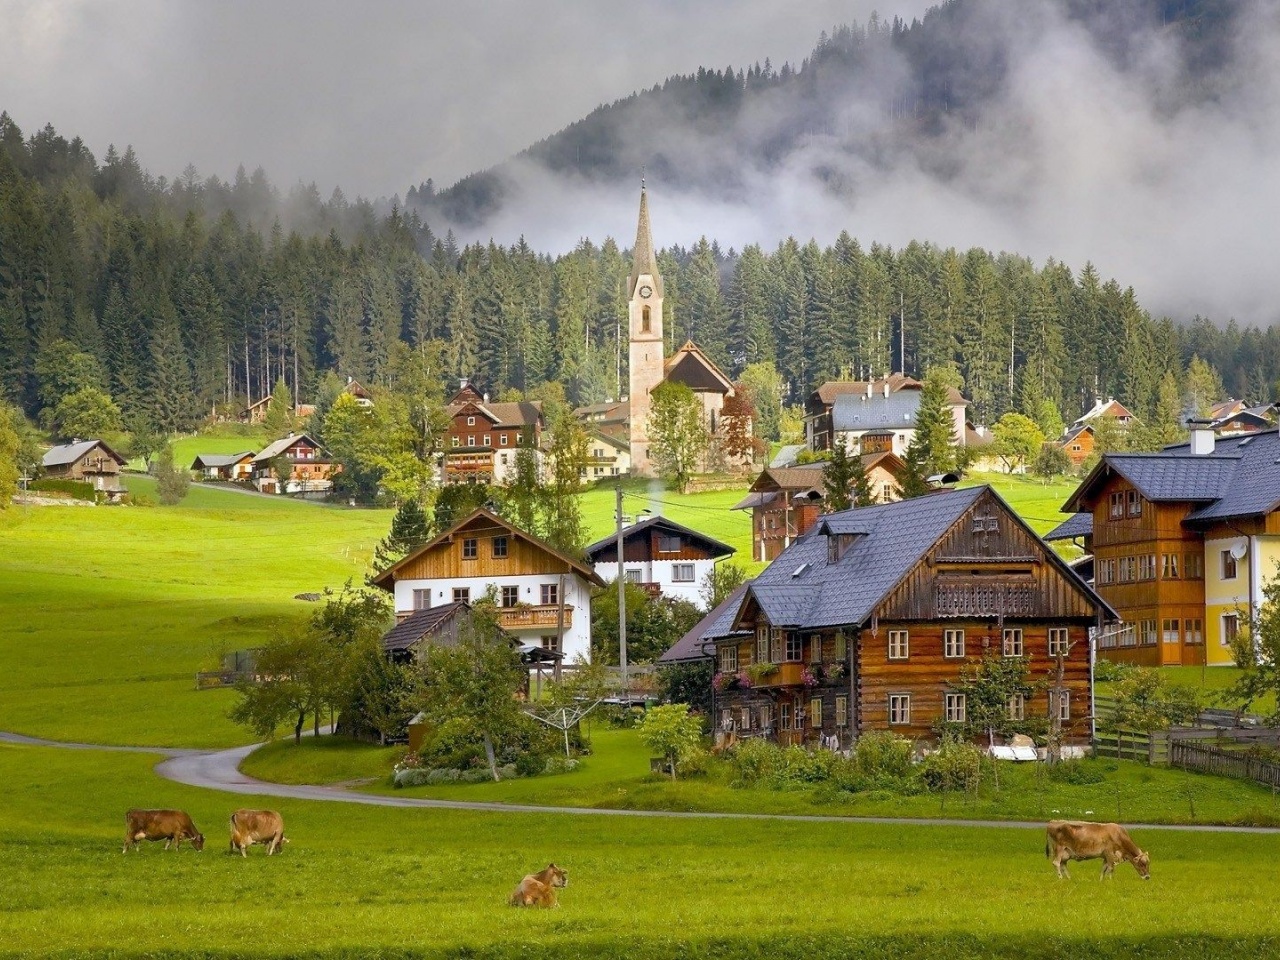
(218, 770)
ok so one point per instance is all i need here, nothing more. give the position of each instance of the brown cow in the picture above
(539, 889)
(171, 826)
(1078, 840)
(256, 826)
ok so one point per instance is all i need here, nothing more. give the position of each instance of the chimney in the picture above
(462, 384)
(1202, 437)
(486, 396)
(868, 389)
(886, 389)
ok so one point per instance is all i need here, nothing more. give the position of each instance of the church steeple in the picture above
(643, 260)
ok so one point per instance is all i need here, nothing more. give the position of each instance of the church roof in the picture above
(643, 258)
(689, 365)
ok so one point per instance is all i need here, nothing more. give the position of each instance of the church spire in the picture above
(643, 259)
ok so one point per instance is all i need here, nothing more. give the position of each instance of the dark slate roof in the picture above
(752, 500)
(422, 623)
(1255, 487)
(606, 550)
(71, 452)
(877, 412)
(717, 623)
(1076, 525)
(801, 589)
(219, 459)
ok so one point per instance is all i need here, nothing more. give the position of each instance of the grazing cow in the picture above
(171, 826)
(256, 826)
(539, 889)
(1077, 840)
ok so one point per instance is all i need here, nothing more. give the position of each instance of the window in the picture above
(635, 575)
(1058, 642)
(954, 704)
(1169, 631)
(899, 644)
(1012, 642)
(1147, 632)
(729, 659)
(815, 713)
(1115, 509)
(842, 646)
(886, 492)
(682, 573)
(485, 441)
(1135, 503)
(1193, 631)
(815, 648)
(550, 642)
(502, 439)
(953, 643)
(645, 322)
(777, 643)
(842, 711)
(795, 647)
(1193, 568)
(550, 594)
(1060, 700)
(471, 421)
(457, 441)
(762, 644)
(470, 548)
(785, 715)
(1228, 565)
(421, 599)
(1147, 567)
(1169, 568)
(766, 718)
(510, 596)
(899, 708)
(1018, 706)
(668, 544)
(461, 594)
(1230, 628)
(471, 439)
(1106, 571)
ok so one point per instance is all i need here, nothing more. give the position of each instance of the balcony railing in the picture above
(526, 618)
(787, 675)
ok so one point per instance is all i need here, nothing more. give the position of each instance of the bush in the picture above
(453, 745)
(529, 764)
(883, 756)
(75, 489)
(953, 766)
(694, 761)
(1108, 671)
(1076, 772)
(754, 761)
(560, 765)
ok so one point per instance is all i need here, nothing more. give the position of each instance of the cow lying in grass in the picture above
(539, 889)
(1078, 840)
(257, 826)
(171, 826)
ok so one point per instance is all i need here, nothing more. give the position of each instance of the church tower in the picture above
(644, 292)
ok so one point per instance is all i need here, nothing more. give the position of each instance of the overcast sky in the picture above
(370, 96)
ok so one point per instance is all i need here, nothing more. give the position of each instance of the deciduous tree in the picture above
(678, 436)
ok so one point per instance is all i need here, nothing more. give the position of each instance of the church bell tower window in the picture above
(645, 322)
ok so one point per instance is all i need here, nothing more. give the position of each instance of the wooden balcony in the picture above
(787, 675)
(530, 618)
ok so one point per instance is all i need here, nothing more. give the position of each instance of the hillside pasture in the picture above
(361, 880)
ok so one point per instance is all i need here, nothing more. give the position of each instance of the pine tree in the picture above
(279, 421)
(935, 428)
(172, 403)
(845, 480)
(409, 530)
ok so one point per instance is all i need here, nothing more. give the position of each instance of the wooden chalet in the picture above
(543, 595)
(88, 461)
(785, 502)
(664, 557)
(483, 436)
(224, 466)
(867, 621)
(1182, 541)
(311, 469)
(871, 414)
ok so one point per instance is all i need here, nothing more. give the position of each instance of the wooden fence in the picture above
(1138, 745)
(1224, 763)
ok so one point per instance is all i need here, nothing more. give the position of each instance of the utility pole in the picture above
(622, 600)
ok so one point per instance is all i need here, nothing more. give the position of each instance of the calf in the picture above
(539, 889)
(256, 826)
(171, 826)
(1077, 840)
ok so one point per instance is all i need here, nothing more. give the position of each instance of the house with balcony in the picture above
(88, 461)
(1182, 542)
(872, 416)
(223, 466)
(665, 557)
(543, 596)
(296, 464)
(868, 620)
(483, 436)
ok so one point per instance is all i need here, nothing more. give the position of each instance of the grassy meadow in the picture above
(110, 611)
(361, 881)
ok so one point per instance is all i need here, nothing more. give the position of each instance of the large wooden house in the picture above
(310, 469)
(664, 557)
(89, 461)
(1182, 541)
(867, 621)
(543, 596)
(483, 436)
(871, 416)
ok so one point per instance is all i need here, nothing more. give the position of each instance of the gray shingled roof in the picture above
(605, 550)
(1076, 525)
(1162, 477)
(1254, 488)
(801, 589)
(877, 412)
(203, 460)
(420, 624)
(717, 623)
(71, 452)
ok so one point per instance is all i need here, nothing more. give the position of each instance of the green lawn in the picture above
(225, 438)
(1037, 502)
(110, 611)
(363, 881)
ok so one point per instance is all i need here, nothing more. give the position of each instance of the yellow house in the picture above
(1183, 540)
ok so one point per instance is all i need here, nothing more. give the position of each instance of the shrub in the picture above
(953, 766)
(1107, 671)
(880, 755)
(1076, 772)
(75, 489)
(560, 765)
(754, 761)
(694, 761)
(530, 764)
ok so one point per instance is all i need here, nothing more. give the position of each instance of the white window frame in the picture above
(1011, 644)
(954, 707)
(1059, 641)
(899, 644)
(683, 573)
(471, 421)
(842, 711)
(502, 439)
(729, 658)
(899, 709)
(762, 644)
(1229, 564)
(1062, 704)
(1018, 706)
(953, 644)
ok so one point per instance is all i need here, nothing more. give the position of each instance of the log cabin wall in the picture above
(446, 561)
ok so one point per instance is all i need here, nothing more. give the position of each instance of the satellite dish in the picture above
(1238, 550)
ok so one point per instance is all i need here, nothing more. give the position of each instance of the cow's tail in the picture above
(1048, 845)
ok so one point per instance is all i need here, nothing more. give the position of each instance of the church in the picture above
(650, 366)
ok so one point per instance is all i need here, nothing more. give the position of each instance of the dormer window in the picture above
(838, 545)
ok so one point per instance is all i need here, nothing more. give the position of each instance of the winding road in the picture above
(219, 770)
